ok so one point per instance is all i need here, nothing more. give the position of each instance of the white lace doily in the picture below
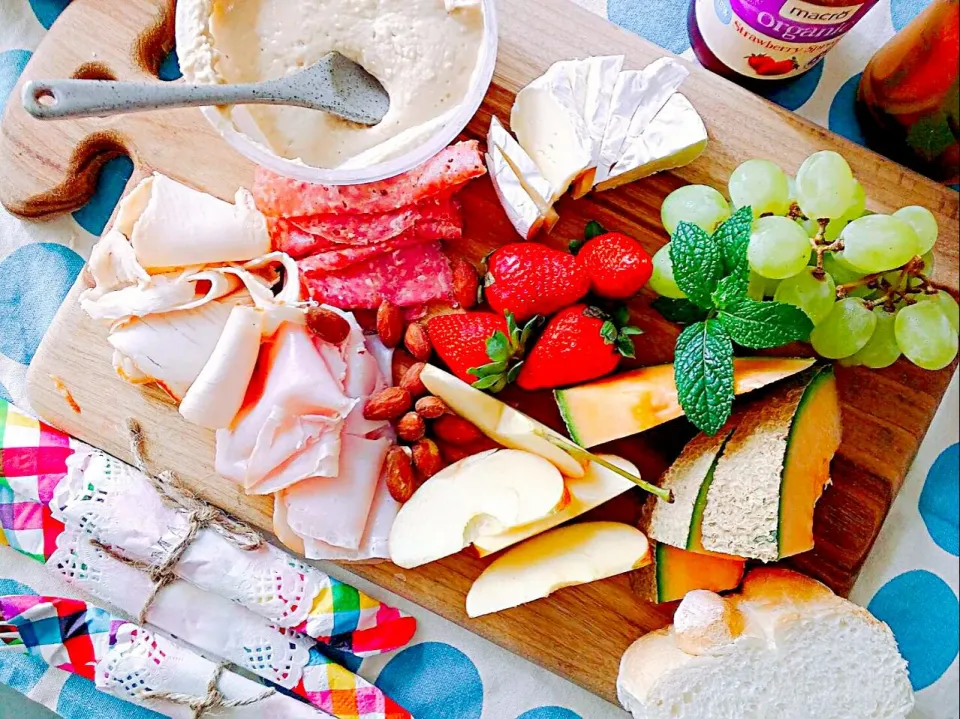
(205, 620)
(117, 504)
(141, 663)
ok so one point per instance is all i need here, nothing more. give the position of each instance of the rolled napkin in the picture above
(120, 506)
(134, 663)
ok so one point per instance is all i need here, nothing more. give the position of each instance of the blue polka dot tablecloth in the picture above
(910, 580)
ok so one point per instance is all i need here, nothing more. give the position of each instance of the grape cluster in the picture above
(861, 277)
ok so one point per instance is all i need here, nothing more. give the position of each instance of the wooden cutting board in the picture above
(580, 633)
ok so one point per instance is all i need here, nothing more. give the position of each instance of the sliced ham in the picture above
(406, 277)
(290, 424)
(286, 197)
(335, 509)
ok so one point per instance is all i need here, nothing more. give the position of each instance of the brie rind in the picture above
(523, 213)
(602, 74)
(549, 126)
(675, 137)
(535, 184)
(638, 97)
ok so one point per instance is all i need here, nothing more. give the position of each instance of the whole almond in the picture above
(387, 404)
(431, 407)
(401, 478)
(402, 361)
(456, 430)
(426, 458)
(411, 380)
(417, 342)
(389, 324)
(411, 427)
(327, 325)
(466, 283)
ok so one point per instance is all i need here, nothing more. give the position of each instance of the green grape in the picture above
(814, 296)
(882, 349)
(701, 205)
(760, 288)
(947, 304)
(923, 223)
(661, 280)
(877, 243)
(894, 277)
(825, 185)
(779, 248)
(926, 335)
(841, 271)
(762, 185)
(845, 330)
(854, 212)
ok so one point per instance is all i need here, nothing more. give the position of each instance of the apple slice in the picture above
(486, 493)
(563, 557)
(595, 487)
(498, 421)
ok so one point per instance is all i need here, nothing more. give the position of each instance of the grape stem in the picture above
(821, 246)
(895, 291)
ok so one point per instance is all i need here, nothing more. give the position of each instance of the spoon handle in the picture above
(57, 99)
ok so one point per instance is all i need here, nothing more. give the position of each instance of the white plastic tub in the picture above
(243, 140)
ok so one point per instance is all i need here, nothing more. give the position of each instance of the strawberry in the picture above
(759, 61)
(528, 279)
(580, 343)
(481, 348)
(780, 67)
(616, 264)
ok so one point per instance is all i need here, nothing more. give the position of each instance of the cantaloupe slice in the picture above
(674, 572)
(772, 471)
(635, 401)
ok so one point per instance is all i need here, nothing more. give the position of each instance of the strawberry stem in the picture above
(581, 454)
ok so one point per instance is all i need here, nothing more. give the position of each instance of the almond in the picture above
(387, 404)
(401, 479)
(327, 325)
(431, 407)
(426, 458)
(466, 283)
(456, 430)
(389, 324)
(402, 361)
(411, 427)
(411, 380)
(417, 342)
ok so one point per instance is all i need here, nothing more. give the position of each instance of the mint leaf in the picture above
(760, 325)
(703, 371)
(681, 311)
(733, 236)
(593, 229)
(730, 290)
(697, 264)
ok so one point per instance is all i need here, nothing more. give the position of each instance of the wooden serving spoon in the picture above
(334, 84)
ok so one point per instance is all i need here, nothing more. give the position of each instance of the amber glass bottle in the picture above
(759, 43)
(909, 102)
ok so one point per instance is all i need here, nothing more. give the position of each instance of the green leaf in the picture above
(486, 370)
(514, 372)
(760, 325)
(625, 347)
(528, 329)
(697, 263)
(593, 229)
(513, 332)
(575, 246)
(609, 332)
(929, 136)
(682, 311)
(703, 370)
(631, 330)
(486, 382)
(731, 289)
(733, 236)
(498, 347)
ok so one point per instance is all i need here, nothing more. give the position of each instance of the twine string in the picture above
(213, 699)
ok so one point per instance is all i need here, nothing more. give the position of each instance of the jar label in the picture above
(774, 39)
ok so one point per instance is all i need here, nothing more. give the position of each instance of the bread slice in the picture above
(785, 647)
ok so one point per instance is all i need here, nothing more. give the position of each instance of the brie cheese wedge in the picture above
(536, 185)
(548, 124)
(675, 137)
(637, 98)
(602, 75)
(522, 211)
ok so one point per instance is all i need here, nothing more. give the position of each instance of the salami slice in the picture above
(406, 277)
(343, 256)
(297, 243)
(285, 197)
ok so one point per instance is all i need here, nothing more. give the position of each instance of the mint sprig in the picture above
(714, 273)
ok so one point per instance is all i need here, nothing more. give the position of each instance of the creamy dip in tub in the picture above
(430, 56)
